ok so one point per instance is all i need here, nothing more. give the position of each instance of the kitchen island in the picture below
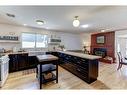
(83, 66)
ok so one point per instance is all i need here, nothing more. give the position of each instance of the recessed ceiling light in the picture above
(25, 24)
(39, 22)
(85, 26)
(102, 30)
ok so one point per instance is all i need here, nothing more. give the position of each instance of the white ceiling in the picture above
(60, 18)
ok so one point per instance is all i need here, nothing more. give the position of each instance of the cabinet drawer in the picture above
(83, 74)
(85, 61)
(81, 71)
(83, 65)
(76, 70)
(84, 69)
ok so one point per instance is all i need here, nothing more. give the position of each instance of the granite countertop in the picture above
(87, 56)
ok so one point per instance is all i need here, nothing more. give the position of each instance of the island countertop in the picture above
(86, 56)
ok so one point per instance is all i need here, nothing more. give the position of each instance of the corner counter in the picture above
(83, 66)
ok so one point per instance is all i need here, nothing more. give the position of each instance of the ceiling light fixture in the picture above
(10, 15)
(25, 24)
(39, 22)
(76, 22)
(102, 30)
(85, 26)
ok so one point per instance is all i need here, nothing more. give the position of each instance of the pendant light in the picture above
(76, 22)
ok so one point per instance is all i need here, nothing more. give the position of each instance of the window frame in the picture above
(35, 41)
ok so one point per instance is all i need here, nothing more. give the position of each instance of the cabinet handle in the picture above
(78, 70)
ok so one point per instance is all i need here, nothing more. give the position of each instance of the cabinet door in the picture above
(22, 61)
(32, 61)
(13, 63)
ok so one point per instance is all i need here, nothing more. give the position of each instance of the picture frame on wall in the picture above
(100, 40)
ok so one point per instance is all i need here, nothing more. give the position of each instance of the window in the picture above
(41, 40)
(30, 40)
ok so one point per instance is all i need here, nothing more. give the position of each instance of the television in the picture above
(100, 39)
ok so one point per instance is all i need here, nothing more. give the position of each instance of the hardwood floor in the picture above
(109, 78)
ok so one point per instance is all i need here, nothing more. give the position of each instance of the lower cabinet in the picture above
(13, 63)
(32, 61)
(18, 62)
(22, 61)
(85, 69)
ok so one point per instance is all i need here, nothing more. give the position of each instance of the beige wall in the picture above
(70, 40)
(86, 39)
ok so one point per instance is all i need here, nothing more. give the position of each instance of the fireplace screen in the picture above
(100, 52)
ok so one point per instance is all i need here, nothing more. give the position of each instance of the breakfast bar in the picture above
(82, 65)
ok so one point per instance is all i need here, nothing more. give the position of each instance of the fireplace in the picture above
(100, 52)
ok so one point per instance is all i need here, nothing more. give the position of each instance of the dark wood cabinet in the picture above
(13, 63)
(22, 61)
(85, 69)
(18, 62)
(32, 61)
